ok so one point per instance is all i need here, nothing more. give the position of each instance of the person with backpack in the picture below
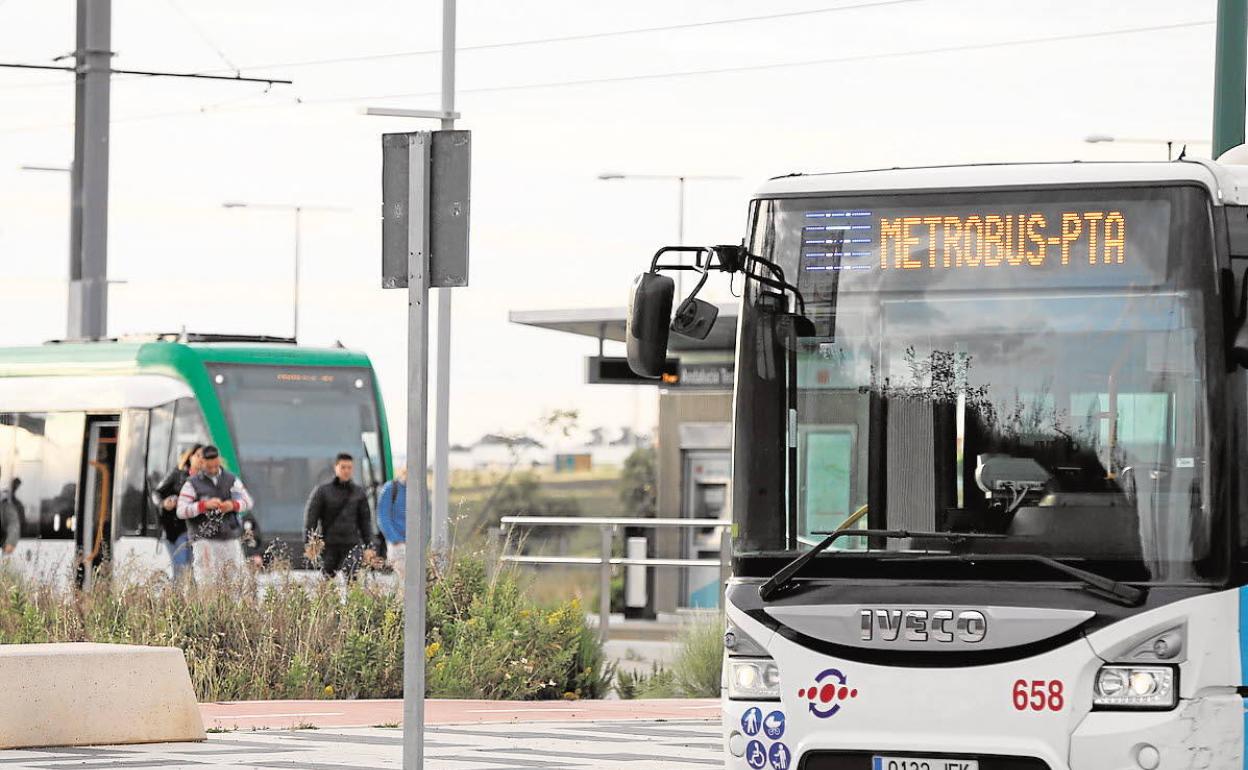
(177, 538)
(211, 501)
(338, 522)
(392, 519)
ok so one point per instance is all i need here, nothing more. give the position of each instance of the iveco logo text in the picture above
(967, 626)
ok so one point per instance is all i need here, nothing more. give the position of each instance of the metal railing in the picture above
(605, 561)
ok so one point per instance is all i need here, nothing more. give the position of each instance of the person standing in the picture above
(392, 519)
(10, 518)
(211, 501)
(177, 539)
(338, 515)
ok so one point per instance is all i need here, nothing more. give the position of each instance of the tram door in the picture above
(706, 476)
(99, 466)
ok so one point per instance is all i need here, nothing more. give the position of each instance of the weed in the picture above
(485, 637)
(695, 673)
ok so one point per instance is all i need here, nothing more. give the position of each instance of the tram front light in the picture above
(1135, 687)
(753, 679)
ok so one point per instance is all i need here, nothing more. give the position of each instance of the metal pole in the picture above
(417, 482)
(604, 584)
(298, 216)
(442, 387)
(88, 259)
(680, 234)
(1230, 62)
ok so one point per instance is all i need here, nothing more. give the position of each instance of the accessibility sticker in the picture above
(773, 725)
(779, 756)
(751, 720)
(756, 755)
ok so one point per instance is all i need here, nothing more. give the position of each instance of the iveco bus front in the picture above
(987, 468)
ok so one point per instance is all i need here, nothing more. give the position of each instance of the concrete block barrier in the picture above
(82, 694)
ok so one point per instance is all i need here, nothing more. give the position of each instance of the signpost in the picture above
(424, 242)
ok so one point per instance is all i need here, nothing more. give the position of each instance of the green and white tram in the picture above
(990, 467)
(88, 429)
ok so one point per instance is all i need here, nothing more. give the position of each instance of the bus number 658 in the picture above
(1039, 695)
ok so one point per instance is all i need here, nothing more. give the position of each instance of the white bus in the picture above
(990, 467)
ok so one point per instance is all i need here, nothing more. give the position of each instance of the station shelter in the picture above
(693, 443)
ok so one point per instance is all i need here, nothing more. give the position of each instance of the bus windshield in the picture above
(1030, 365)
(288, 423)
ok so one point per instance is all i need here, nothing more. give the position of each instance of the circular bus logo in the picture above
(830, 690)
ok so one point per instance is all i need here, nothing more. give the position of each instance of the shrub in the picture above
(311, 639)
(695, 673)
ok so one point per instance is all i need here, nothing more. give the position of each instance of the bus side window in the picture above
(159, 450)
(130, 493)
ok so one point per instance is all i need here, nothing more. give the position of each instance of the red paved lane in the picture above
(284, 714)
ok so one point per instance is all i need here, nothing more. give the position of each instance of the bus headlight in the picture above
(1135, 687)
(753, 679)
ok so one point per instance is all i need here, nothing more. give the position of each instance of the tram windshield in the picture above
(288, 424)
(1028, 365)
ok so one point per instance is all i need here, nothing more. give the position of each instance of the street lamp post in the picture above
(680, 180)
(298, 210)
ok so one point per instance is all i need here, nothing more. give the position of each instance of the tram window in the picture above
(47, 460)
(9, 491)
(159, 461)
(130, 499)
(188, 427)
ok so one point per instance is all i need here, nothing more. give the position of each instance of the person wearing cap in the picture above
(211, 501)
(177, 538)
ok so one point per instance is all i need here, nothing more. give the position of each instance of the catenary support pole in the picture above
(1230, 64)
(294, 333)
(88, 259)
(442, 386)
(415, 579)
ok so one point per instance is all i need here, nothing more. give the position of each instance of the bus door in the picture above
(99, 467)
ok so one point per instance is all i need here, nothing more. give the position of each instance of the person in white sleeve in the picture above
(211, 501)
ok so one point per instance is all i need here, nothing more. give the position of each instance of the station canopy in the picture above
(608, 324)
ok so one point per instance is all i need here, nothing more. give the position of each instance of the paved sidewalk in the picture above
(559, 745)
(287, 714)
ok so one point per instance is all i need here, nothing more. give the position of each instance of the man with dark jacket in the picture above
(338, 517)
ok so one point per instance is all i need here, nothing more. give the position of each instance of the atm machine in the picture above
(706, 475)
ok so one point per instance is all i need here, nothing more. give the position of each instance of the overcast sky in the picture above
(877, 83)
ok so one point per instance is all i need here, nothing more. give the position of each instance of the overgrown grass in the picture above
(695, 673)
(295, 639)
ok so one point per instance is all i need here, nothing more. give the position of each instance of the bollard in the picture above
(635, 574)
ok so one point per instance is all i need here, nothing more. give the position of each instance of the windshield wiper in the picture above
(786, 573)
(1120, 593)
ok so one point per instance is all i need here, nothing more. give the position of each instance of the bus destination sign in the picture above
(1057, 244)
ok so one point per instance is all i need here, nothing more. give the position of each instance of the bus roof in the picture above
(123, 357)
(1227, 183)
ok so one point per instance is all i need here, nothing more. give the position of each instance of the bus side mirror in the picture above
(649, 319)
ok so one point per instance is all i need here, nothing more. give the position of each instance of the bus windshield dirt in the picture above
(1024, 364)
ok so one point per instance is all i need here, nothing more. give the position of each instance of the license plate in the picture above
(922, 763)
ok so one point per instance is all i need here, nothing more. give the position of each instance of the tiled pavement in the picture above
(636, 744)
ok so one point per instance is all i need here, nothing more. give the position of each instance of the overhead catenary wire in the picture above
(153, 73)
(937, 50)
(578, 37)
(786, 65)
(203, 35)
